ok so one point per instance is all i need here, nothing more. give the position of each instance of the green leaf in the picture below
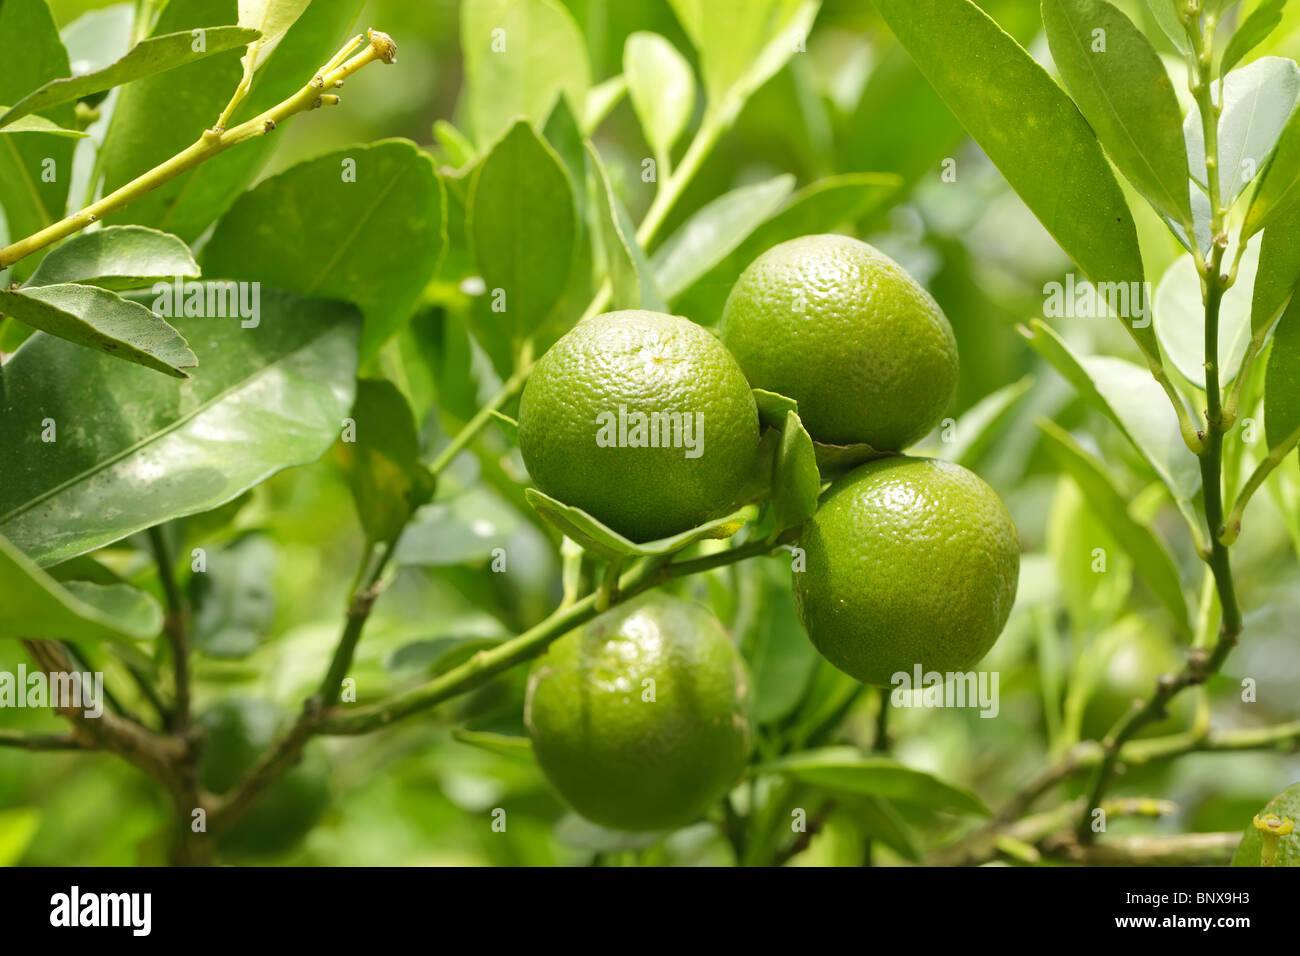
(631, 277)
(439, 655)
(523, 226)
(1049, 154)
(718, 228)
(877, 819)
(268, 396)
(147, 58)
(780, 656)
(18, 828)
(662, 89)
(519, 54)
(38, 124)
(601, 100)
(35, 168)
(455, 144)
(773, 408)
(463, 529)
(337, 233)
(1282, 382)
(1180, 317)
(592, 535)
(1258, 100)
(381, 456)
(1279, 270)
(742, 44)
(1150, 555)
(35, 606)
(103, 321)
(796, 483)
(158, 116)
(271, 19)
(506, 745)
(117, 257)
(1279, 186)
(1124, 91)
(1133, 401)
(845, 768)
(1254, 30)
(976, 430)
(836, 460)
(1167, 17)
(234, 598)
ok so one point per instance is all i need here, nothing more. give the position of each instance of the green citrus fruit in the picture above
(238, 731)
(908, 561)
(641, 419)
(1272, 838)
(640, 719)
(846, 332)
(1123, 666)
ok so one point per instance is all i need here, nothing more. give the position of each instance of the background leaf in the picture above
(1282, 391)
(1150, 555)
(338, 237)
(270, 18)
(1278, 273)
(116, 257)
(1125, 92)
(103, 321)
(523, 226)
(1050, 155)
(149, 57)
(35, 606)
(35, 168)
(631, 277)
(845, 768)
(796, 483)
(264, 399)
(38, 124)
(233, 600)
(662, 89)
(543, 56)
(1253, 31)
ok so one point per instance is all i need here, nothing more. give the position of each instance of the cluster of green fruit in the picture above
(640, 719)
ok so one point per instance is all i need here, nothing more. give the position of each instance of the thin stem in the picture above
(20, 741)
(484, 415)
(1229, 533)
(211, 143)
(175, 627)
(673, 187)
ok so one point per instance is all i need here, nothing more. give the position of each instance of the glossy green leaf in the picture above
(1167, 17)
(334, 233)
(519, 54)
(147, 58)
(847, 769)
(523, 226)
(662, 89)
(160, 115)
(592, 535)
(742, 44)
(103, 321)
(521, 748)
(381, 456)
(39, 124)
(35, 168)
(1124, 91)
(1282, 382)
(35, 606)
(631, 277)
(132, 449)
(117, 257)
(233, 598)
(1150, 555)
(1258, 100)
(1254, 30)
(272, 20)
(796, 483)
(1278, 274)
(1049, 155)
(1133, 400)
(717, 229)
(1279, 186)
(1180, 317)
(773, 408)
